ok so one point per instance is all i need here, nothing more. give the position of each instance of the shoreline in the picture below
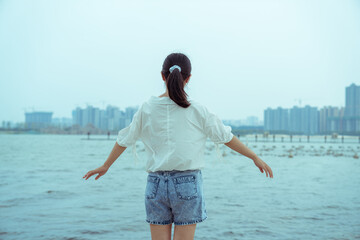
(253, 135)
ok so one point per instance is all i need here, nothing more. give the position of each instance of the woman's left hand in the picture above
(263, 167)
(100, 170)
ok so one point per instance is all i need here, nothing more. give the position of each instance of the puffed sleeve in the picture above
(215, 129)
(129, 135)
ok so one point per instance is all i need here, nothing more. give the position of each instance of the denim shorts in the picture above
(175, 197)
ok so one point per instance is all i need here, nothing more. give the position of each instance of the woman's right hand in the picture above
(263, 167)
(100, 170)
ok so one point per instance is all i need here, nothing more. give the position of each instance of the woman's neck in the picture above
(164, 94)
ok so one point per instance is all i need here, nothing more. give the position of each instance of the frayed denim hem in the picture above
(192, 222)
(160, 223)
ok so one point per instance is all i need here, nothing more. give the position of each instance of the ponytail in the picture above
(176, 68)
(175, 85)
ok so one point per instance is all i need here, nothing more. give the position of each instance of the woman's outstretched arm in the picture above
(115, 153)
(239, 147)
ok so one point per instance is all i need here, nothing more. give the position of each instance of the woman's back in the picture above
(174, 137)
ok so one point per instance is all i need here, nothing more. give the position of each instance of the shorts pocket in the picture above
(151, 186)
(186, 187)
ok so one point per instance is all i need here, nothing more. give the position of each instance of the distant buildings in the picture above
(111, 118)
(249, 121)
(346, 120)
(310, 120)
(253, 121)
(12, 125)
(61, 122)
(37, 120)
(296, 120)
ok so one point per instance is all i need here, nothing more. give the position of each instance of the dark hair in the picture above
(175, 79)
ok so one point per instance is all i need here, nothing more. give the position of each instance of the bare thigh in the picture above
(160, 232)
(184, 232)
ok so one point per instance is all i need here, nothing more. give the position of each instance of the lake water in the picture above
(313, 195)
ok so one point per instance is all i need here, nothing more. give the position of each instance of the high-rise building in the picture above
(276, 119)
(311, 120)
(114, 118)
(129, 113)
(352, 101)
(90, 115)
(37, 120)
(330, 119)
(77, 116)
(351, 119)
(295, 119)
(304, 120)
(103, 120)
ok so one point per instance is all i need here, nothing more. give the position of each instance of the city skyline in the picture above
(255, 120)
(311, 120)
(100, 104)
(246, 55)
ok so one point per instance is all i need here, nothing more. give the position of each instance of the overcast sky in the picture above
(246, 55)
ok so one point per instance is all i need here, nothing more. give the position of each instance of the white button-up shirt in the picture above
(174, 137)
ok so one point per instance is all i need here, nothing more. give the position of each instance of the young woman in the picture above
(174, 131)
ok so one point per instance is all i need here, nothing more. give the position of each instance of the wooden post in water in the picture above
(342, 139)
(308, 138)
(88, 135)
(255, 138)
(290, 138)
(325, 139)
(108, 134)
(282, 139)
(273, 137)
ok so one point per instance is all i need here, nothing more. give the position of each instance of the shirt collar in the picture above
(165, 100)
(162, 100)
